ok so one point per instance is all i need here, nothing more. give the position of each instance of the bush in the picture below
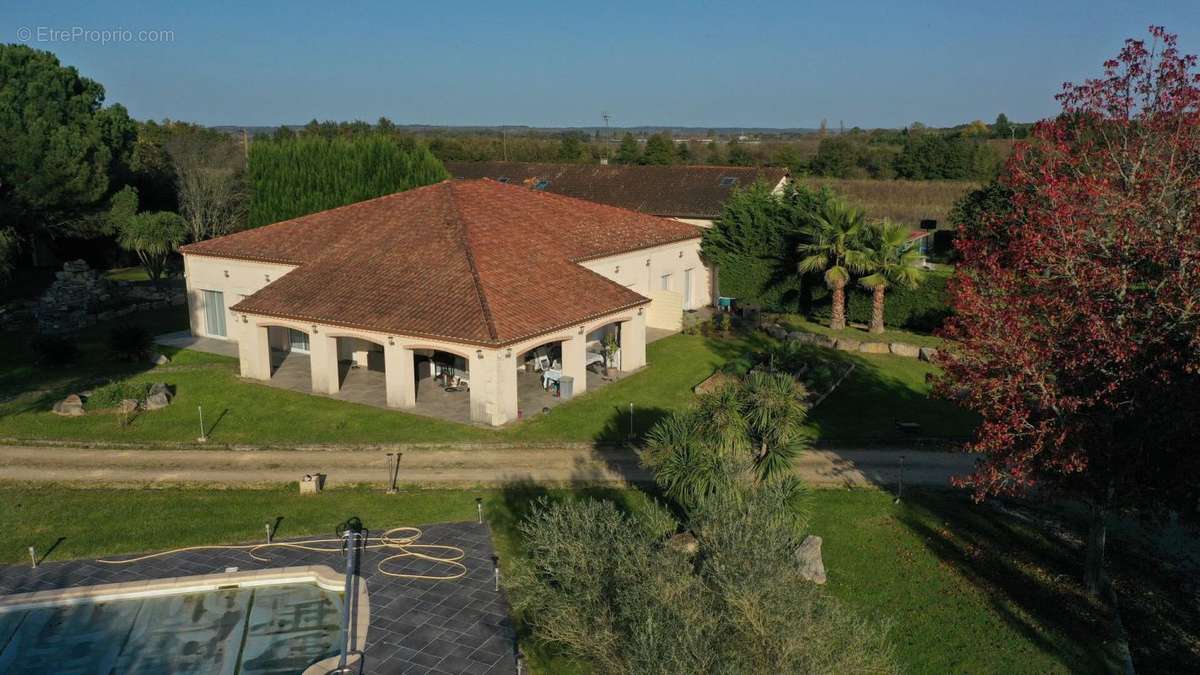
(602, 587)
(111, 394)
(129, 341)
(54, 350)
(921, 309)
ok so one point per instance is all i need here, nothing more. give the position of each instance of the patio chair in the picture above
(542, 363)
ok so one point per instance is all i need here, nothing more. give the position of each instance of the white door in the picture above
(214, 313)
(687, 289)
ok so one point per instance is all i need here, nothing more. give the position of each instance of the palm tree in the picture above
(831, 236)
(891, 260)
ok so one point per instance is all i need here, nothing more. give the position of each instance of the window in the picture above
(297, 340)
(214, 313)
(664, 282)
(728, 181)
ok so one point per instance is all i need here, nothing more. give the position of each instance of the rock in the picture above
(684, 542)
(778, 332)
(312, 483)
(928, 353)
(71, 406)
(157, 401)
(905, 349)
(795, 335)
(808, 558)
(161, 388)
(158, 359)
(847, 344)
(874, 348)
(127, 406)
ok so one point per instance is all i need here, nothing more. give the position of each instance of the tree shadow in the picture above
(626, 425)
(1028, 574)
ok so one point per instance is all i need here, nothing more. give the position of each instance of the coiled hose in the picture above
(400, 539)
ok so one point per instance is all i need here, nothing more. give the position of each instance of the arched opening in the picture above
(362, 370)
(539, 368)
(291, 365)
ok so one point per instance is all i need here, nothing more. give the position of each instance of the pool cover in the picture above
(270, 630)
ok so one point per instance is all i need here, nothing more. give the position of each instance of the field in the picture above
(904, 201)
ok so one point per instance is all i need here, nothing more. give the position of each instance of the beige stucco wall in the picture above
(642, 271)
(492, 371)
(234, 278)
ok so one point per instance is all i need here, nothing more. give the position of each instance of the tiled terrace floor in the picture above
(416, 626)
(363, 385)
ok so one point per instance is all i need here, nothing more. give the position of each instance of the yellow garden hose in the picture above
(400, 539)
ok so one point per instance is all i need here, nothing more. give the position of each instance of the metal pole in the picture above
(33, 557)
(395, 472)
(268, 528)
(479, 508)
(496, 570)
(202, 438)
(348, 598)
(631, 419)
(900, 486)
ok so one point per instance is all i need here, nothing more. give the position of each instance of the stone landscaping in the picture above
(81, 297)
(852, 345)
(158, 396)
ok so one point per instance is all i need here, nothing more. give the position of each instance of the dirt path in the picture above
(434, 467)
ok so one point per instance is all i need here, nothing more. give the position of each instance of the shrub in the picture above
(602, 587)
(54, 350)
(111, 394)
(129, 341)
(921, 309)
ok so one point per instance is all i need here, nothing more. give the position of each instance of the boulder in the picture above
(157, 401)
(905, 349)
(71, 406)
(808, 559)
(847, 344)
(874, 348)
(158, 359)
(928, 353)
(778, 332)
(684, 542)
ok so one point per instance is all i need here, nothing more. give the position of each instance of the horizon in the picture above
(712, 66)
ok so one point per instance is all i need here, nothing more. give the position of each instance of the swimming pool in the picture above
(268, 622)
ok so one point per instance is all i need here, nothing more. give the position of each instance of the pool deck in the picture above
(416, 626)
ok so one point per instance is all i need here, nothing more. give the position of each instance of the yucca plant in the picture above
(886, 254)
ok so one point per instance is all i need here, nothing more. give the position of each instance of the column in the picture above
(254, 353)
(399, 376)
(323, 363)
(574, 352)
(493, 376)
(633, 342)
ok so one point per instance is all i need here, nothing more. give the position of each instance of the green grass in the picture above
(802, 324)
(965, 587)
(884, 389)
(127, 274)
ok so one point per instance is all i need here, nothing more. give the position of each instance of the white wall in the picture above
(234, 278)
(642, 272)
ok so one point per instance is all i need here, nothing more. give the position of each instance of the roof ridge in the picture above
(461, 225)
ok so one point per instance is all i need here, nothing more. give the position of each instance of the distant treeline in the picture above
(968, 152)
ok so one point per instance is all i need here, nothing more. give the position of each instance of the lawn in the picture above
(127, 274)
(805, 325)
(966, 588)
(883, 389)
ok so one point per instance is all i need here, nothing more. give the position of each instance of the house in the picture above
(692, 194)
(464, 280)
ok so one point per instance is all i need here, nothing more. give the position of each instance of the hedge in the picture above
(921, 309)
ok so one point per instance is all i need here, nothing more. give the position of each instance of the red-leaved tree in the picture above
(1077, 301)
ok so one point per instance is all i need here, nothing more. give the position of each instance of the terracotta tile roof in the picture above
(678, 191)
(471, 261)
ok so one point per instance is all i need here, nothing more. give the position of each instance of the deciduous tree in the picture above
(1078, 306)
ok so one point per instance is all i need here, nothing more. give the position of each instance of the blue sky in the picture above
(872, 64)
